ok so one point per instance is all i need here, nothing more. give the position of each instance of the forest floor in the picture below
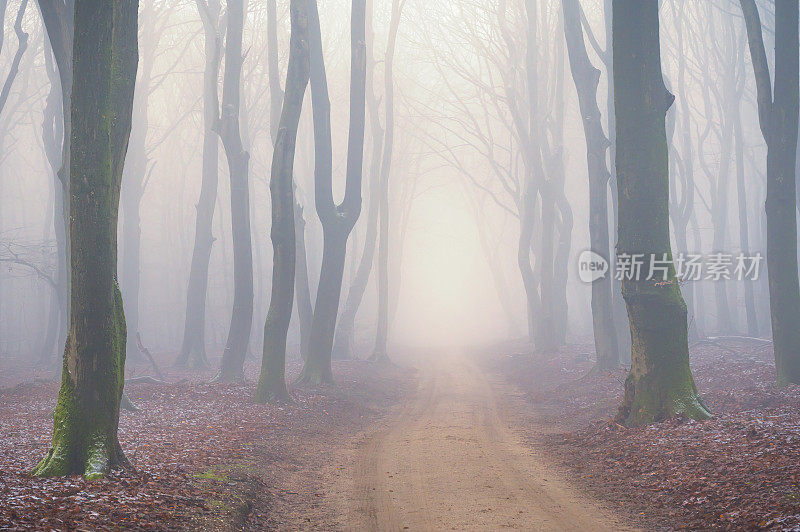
(205, 456)
(740, 470)
(485, 439)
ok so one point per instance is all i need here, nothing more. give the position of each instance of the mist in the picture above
(390, 228)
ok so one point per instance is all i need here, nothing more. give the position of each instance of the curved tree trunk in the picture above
(660, 383)
(587, 78)
(232, 368)
(58, 21)
(52, 133)
(337, 220)
(778, 116)
(133, 186)
(193, 348)
(342, 347)
(272, 383)
(87, 414)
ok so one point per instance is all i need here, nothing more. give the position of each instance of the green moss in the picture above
(212, 474)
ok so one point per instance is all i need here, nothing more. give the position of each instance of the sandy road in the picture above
(451, 463)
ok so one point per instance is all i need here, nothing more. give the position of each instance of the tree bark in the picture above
(272, 383)
(305, 310)
(193, 349)
(52, 133)
(660, 383)
(337, 220)
(133, 186)
(587, 78)
(380, 351)
(342, 347)
(58, 18)
(228, 128)
(778, 117)
(87, 414)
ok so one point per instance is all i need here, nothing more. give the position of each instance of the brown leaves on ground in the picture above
(740, 470)
(205, 455)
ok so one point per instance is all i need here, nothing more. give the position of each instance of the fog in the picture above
(454, 175)
(399, 264)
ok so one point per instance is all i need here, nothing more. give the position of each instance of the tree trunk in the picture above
(586, 78)
(133, 185)
(618, 303)
(272, 383)
(337, 220)
(193, 348)
(380, 352)
(342, 347)
(52, 133)
(87, 414)
(660, 383)
(564, 221)
(744, 228)
(237, 344)
(778, 117)
(58, 21)
(305, 311)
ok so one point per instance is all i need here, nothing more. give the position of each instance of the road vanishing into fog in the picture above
(451, 463)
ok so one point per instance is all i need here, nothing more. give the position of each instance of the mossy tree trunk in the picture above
(337, 220)
(778, 117)
(193, 348)
(272, 383)
(86, 417)
(587, 78)
(232, 368)
(660, 383)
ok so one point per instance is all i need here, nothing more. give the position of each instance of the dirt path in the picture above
(451, 463)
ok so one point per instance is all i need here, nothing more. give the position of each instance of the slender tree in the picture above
(137, 175)
(380, 352)
(58, 22)
(87, 414)
(778, 117)
(660, 383)
(228, 127)
(193, 349)
(355, 294)
(587, 78)
(337, 220)
(272, 383)
(22, 46)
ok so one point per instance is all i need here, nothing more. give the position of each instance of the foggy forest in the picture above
(399, 265)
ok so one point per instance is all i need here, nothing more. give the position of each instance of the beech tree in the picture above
(358, 285)
(272, 383)
(379, 353)
(87, 414)
(660, 382)
(337, 220)
(57, 17)
(193, 349)
(778, 117)
(587, 78)
(228, 128)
